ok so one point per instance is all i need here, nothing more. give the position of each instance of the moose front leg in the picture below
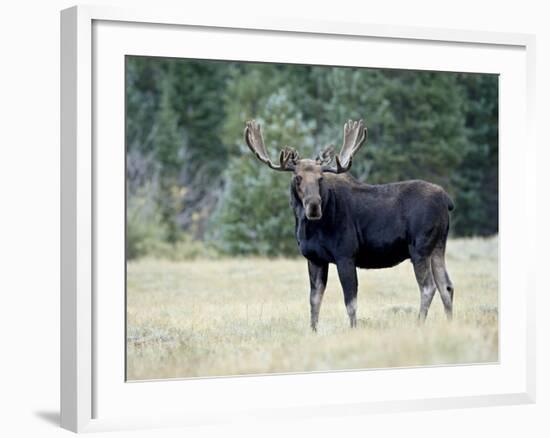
(318, 274)
(348, 278)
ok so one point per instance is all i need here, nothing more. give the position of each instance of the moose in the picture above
(354, 225)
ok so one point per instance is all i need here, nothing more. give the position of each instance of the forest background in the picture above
(195, 190)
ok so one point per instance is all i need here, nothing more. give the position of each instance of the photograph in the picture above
(296, 218)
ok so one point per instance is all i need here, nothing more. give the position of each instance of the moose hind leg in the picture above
(318, 275)
(443, 281)
(426, 283)
(347, 274)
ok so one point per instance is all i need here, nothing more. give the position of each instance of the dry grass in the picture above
(247, 316)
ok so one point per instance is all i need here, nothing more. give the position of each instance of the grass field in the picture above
(247, 316)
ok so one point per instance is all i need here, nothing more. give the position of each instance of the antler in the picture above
(325, 157)
(355, 134)
(253, 137)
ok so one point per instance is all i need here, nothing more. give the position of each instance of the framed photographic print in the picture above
(259, 208)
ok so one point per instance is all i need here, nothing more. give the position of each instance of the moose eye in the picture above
(298, 179)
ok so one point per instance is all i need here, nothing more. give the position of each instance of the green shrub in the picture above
(144, 225)
(148, 236)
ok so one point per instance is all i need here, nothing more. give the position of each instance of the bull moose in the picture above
(356, 225)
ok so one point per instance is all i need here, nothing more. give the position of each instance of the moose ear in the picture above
(325, 156)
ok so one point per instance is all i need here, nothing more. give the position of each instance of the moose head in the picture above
(308, 173)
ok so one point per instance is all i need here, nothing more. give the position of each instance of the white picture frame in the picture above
(93, 40)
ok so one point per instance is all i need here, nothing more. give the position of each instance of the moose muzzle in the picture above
(312, 207)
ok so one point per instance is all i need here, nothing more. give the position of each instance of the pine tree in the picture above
(477, 176)
(168, 148)
(254, 216)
